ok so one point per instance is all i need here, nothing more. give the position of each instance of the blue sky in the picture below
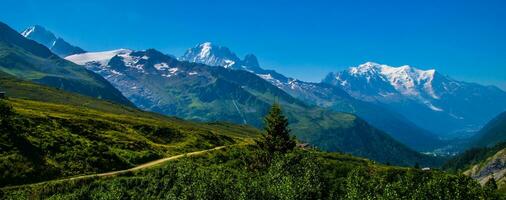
(302, 39)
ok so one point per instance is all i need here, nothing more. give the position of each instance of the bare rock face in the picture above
(494, 166)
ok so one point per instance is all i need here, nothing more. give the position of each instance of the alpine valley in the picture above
(223, 87)
(144, 124)
(161, 83)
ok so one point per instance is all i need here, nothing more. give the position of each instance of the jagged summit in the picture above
(251, 60)
(211, 54)
(45, 37)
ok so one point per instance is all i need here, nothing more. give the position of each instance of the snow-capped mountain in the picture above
(209, 54)
(56, 44)
(129, 71)
(371, 81)
(215, 55)
(426, 97)
(320, 94)
(160, 83)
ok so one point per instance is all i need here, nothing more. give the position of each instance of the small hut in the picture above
(2, 95)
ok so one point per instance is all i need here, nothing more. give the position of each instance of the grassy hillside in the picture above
(245, 172)
(29, 60)
(492, 133)
(48, 133)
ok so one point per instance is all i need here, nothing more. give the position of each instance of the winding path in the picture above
(114, 173)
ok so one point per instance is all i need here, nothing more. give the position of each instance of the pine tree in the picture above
(491, 184)
(490, 189)
(277, 134)
(5, 111)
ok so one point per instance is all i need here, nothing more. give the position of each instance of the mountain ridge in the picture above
(33, 61)
(56, 44)
(492, 133)
(450, 106)
(161, 83)
(319, 94)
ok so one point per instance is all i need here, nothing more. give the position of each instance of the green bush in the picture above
(227, 174)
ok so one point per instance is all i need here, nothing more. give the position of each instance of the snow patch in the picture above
(161, 66)
(28, 31)
(101, 57)
(228, 63)
(173, 70)
(266, 76)
(205, 50)
(432, 107)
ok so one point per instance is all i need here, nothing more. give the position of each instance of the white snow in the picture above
(228, 63)
(102, 57)
(205, 50)
(344, 83)
(405, 79)
(161, 66)
(173, 70)
(432, 107)
(28, 31)
(266, 76)
(116, 72)
(131, 61)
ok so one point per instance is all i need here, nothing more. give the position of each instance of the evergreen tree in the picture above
(491, 184)
(490, 189)
(277, 134)
(6, 113)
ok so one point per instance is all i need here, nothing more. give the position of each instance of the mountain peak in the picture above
(205, 44)
(385, 80)
(373, 68)
(211, 54)
(205, 49)
(369, 64)
(34, 29)
(251, 61)
(45, 37)
(40, 35)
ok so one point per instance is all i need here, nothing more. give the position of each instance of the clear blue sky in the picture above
(302, 39)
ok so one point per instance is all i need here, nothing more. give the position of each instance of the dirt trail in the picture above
(114, 173)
